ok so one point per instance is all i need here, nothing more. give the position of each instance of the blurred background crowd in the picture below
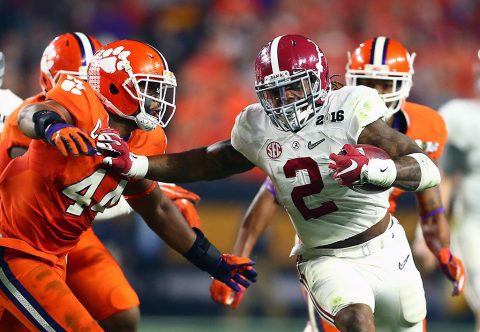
(211, 46)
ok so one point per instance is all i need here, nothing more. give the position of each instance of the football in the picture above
(370, 151)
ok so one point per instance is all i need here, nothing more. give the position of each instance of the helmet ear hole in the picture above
(113, 89)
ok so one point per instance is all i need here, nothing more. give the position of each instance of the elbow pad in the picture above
(430, 175)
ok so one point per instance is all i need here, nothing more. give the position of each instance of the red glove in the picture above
(70, 140)
(453, 268)
(348, 165)
(118, 155)
(223, 294)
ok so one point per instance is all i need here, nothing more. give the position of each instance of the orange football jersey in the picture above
(47, 200)
(427, 128)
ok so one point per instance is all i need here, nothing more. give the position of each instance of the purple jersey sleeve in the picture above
(270, 187)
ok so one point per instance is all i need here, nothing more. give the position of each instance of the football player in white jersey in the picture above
(354, 259)
(386, 65)
(461, 185)
(8, 100)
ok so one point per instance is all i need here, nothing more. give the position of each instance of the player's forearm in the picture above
(433, 221)
(416, 172)
(25, 120)
(30, 126)
(188, 166)
(436, 233)
(259, 216)
(216, 161)
(165, 220)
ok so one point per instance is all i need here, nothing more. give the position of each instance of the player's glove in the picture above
(236, 272)
(118, 155)
(70, 140)
(453, 268)
(185, 201)
(188, 211)
(223, 294)
(349, 166)
(232, 270)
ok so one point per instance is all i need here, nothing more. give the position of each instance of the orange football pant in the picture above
(35, 292)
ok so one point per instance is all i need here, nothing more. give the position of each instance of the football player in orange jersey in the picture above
(115, 303)
(385, 65)
(50, 195)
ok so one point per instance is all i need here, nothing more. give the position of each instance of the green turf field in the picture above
(222, 324)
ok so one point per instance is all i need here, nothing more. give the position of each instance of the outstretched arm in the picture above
(165, 220)
(259, 216)
(216, 161)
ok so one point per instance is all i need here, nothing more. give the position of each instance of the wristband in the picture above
(381, 172)
(203, 254)
(430, 175)
(43, 119)
(139, 167)
(432, 213)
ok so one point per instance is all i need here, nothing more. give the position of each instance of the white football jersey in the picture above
(462, 117)
(321, 210)
(8, 103)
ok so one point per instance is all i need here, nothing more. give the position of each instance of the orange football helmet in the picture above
(133, 81)
(69, 53)
(383, 58)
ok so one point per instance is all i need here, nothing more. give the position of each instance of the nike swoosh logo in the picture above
(349, 168)
(383, 170)
(314, 145)
(401, 265)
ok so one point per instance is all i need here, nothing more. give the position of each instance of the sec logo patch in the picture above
(274, 150)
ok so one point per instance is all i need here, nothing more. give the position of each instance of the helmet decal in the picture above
(86, 47)
(68, 53)
(378, 55)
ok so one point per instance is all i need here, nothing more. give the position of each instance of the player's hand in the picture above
(70, 140)
(189, 211)
(348, 166)
(453, 268)
(118, 155)
(185, 201)
(223, 294)
(235, 271)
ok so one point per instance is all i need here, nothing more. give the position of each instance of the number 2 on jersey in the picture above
(314, 187)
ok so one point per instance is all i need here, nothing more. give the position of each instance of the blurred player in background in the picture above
(385, 65)
(353, 258)
(461, 183)
(8, 100)
(51, 194)
(114, 303)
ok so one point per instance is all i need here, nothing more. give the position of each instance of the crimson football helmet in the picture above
(69, 53)
(383, 58)
(291, 80)
(133, 81)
